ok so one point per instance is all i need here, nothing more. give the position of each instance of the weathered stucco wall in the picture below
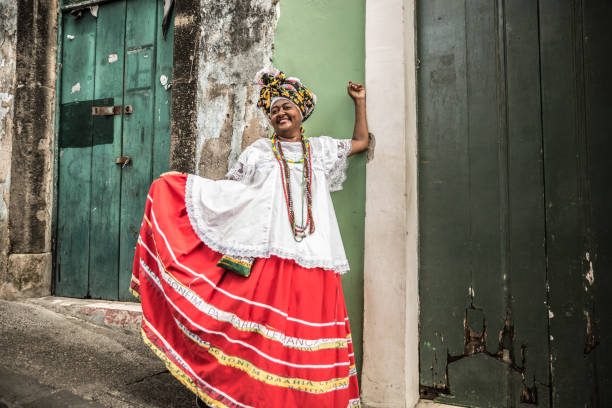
(8, 43)
(236, 41)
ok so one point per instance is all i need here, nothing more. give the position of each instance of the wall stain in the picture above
(215, 162)
(237, 42)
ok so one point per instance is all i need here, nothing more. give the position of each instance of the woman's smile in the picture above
(283, 119)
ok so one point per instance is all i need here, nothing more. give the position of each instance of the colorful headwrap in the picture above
(275, 85)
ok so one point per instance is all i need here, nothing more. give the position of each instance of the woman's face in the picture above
(285, 118)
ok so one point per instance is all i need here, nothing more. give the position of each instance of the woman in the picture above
(239, 279)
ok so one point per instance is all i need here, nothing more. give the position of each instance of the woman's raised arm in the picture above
(360, 132)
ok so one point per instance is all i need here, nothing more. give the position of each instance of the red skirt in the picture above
(279, 338)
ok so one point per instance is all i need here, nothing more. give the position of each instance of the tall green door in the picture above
(514, 202)
(113, 138)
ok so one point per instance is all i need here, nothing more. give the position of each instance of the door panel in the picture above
(105, 201)
(443, 106)
(597, 36)
(564, 204)
(576, 121)
(74, 173)
(163, 90)
(137, 131)
(525, 288)
(481, 230)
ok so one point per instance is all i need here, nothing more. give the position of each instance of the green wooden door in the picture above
(514, 123)
(115, 57)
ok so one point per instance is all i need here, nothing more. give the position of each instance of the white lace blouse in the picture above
(246, 216)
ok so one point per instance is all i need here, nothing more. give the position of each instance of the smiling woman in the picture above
(240, 278)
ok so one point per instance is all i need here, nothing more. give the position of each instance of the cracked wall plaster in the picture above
(8, 40)
(236, 41)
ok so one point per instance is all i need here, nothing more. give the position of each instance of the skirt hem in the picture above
(180, 374)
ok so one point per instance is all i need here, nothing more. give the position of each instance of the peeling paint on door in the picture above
(590, 275)
(163, 80)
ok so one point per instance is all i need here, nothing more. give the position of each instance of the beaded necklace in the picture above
(302, 229)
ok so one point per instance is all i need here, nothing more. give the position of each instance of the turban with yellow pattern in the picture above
(275, 85)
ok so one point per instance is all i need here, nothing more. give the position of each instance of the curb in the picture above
(122, 315)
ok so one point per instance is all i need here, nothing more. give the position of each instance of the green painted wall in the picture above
(323, 44)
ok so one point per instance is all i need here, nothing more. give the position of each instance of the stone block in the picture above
(27, 275)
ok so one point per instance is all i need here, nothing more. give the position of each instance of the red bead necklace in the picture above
(300, 231)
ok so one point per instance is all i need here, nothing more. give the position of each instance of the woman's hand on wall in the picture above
(356, 91)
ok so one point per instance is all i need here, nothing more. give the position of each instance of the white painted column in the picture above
(412, 214)
(390, 376)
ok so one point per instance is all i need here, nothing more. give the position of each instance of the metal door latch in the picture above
(105, 110)
(123, 161)
(110, 110)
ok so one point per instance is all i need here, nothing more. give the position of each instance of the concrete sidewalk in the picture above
(52, 360)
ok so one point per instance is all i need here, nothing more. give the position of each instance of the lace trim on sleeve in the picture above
(244, 168)
(240, 172)
(337, 174)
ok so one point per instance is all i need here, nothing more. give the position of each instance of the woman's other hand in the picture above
(356, 91)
